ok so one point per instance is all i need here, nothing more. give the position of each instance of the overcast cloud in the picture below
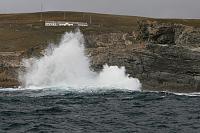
(149, 8)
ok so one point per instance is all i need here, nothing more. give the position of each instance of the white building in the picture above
(64, 23)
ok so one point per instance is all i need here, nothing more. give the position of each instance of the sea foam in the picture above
(66, 65)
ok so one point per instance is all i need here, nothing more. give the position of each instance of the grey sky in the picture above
(150, 8)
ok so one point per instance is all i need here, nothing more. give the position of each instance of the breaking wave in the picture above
(66, 65)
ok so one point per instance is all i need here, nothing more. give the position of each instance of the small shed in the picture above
(64, 23)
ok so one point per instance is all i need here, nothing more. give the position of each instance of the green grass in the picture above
(22, 31)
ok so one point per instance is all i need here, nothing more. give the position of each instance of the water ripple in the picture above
(111, 111)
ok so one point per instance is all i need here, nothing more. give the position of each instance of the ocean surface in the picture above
(63, 111)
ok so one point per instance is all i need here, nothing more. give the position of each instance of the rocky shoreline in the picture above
(167, 57)
(164, 57)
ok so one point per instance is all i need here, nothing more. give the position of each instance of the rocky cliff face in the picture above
(171, 34)
(9, 67)
(163, 56)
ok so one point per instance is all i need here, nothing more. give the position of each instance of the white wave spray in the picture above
(67, 66)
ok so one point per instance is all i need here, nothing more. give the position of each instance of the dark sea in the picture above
(60, 111)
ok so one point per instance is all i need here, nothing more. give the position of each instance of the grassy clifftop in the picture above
(21, 31)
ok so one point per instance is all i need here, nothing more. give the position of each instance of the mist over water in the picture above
(66, 66)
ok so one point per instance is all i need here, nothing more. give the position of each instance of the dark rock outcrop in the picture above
(157, 33)
(171, 34)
